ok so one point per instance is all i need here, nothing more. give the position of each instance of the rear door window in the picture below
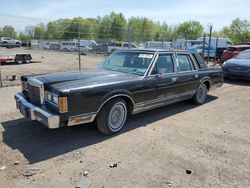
(185, 63)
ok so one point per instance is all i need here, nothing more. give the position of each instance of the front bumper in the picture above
(34, 112)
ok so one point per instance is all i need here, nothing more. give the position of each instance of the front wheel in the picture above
(112, 116)
(201, 94)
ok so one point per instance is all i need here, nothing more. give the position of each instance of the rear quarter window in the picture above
(199, 61)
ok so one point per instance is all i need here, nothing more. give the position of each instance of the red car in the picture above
(231, 51)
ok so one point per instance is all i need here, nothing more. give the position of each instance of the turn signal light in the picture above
(63, 105)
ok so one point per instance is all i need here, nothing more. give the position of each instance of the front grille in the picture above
(34, 94)
(238, 69)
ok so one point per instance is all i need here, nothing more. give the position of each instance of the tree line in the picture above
(115, 26)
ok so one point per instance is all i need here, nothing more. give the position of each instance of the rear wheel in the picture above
(27, 59)
(201, 94)
(112, 116)
(19, 59)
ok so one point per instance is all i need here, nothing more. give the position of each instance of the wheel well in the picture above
(128, 100)
(207, 83)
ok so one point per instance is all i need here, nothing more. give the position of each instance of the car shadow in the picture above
(37, 143)
(236, 81)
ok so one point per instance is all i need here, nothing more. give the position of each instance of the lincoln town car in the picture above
(125, 83)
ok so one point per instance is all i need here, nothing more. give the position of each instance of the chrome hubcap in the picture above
(117, 116)
(201, 96)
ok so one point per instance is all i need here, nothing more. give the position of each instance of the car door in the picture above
(161, 80)
(10, 41)
(188, 77)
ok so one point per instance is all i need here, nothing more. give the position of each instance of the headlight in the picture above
(52, 98)
(224, 63)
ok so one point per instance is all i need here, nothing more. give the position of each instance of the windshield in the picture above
(128, 62)
(243, 55)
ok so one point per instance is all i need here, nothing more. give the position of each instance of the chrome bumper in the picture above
(33, 112)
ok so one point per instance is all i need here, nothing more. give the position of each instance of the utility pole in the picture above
(209, 43)
(79, 48)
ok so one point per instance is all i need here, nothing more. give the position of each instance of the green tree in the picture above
(239, 30)
(8, 31)
(104, 30)
(166, 32)
(40, 31)
(141, 29)
(29, 32)
(118, 23)
(190, 30)
(56, 29)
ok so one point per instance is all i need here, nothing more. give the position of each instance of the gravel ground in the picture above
(45, 62)
(180, 145)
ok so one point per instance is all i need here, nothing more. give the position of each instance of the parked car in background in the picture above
(245, 43)
(90, 44)
(116, 46)
(238, 66)
(231, 51)
(84, 50)
(45, 45)
(8, 40)
(127, 82)
(68, 46)
(54, 46)
(159, 45)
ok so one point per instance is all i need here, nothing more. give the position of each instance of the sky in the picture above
(219, 13)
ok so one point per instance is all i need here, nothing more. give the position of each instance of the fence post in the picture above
(79, 48)
(209, 43)
(1, 82)
(216, 46)
(203, 47)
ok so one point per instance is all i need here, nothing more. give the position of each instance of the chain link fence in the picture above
(65, 44)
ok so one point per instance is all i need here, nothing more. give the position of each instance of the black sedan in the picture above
(125, 83)
(238, 67)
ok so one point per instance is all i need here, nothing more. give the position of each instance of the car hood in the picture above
(70, 81)
(238, 62)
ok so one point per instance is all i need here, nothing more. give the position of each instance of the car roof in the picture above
(241, 46)
(152, 50)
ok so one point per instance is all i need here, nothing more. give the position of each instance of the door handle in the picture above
(174, 79)
(196, 76)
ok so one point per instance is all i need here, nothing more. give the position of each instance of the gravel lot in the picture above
(157, 148)
(45, 62)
